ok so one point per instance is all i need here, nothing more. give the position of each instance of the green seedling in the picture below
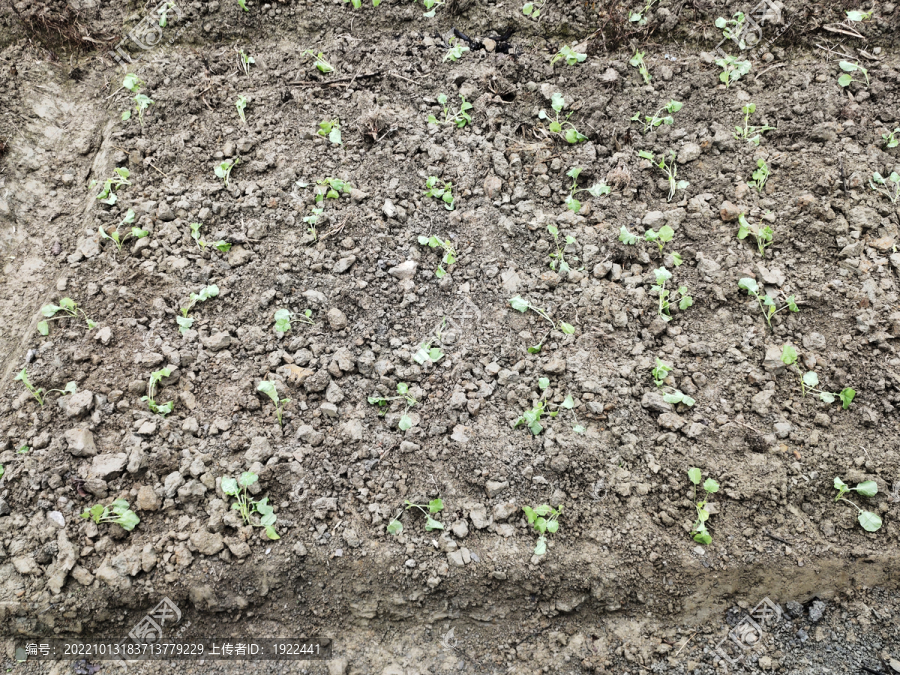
(857, 15)
(268, 388)
(141, 103)
(596, 190)
(810, 380)
(533, 9)
(312, 219)
(870, 522)
(670, 169)
(330, 188)
(23, 450)
(243, 5)
(762, 235)
(460, 117)
(889, 187)
(2, 471)
(676, 396)
(650, 122)
(850, 68)
(640, 18)
(767, 304)
(37, 392)
(431, 6)
(245, 60)
(429, 509)
(382, 402)
(241, 105)
(164, 14)
(444, 193)
(891, 139)
(520, 304)
(449, 256)
(223, 170)
(221, 245)
(457, 49)
(544, 519)
(247, 507)
(532, 418)
(108, 194)
(67, 308)
(749, 132)
(761, 175)
(561, 126)
(118, 238)
(283, 318)
(132, 82)
(732, 69)
(660, 238)
(569, 54)
(638, 62)
(330, 129)
(155, 377)
(558, 258)
(319, 61)
(425, 353)
(701, 534)
(358, 3)
(70, 388)
(184, 321)
(732, 28)
(117, 512)
(668, 298)
(660, 372)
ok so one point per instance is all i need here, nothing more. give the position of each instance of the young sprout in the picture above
(640, 18)
(870, 522)
(312, 219)
(268, 388)
(108, 194)
(283, 318)
(660, 238)
(221, 245)
(247, 507)
(241, 105)
(660, 372)
(119, 239)
(245, 60)
(701, 534)
(638, 62)
(571, 134)
(667, 298)
(559, 257)
(404, 395)
(532, 9)
(429, 509)
(431, 6)
(445, 193)
(532, 418)
(881, 185)
(761, 175)
(449, 256)
(320, 63)
(767, 304)
(243, 5)
(457, 49)
(37, 392)
(891, 139)
(544, 519)
(132, 82)
(732, 28)
(25, 449)
(732, 69)
(596, 190)
(857, 15)
(65, 309)
(184, 321)
(748, 132)
(330, 129)
(520, 304)
(850, 68)
(763, 235)
(569, 54)
(652, 121)
(155, 377)
(223, 170)
(460, 118)
(70, 388)
(358, 3)
(141, 102)
(810, 380)
(670, 169)
(117, 512)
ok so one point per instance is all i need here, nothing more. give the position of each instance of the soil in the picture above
(622, 587)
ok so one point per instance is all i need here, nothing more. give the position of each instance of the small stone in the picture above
(670, 421)
(207, 543)
(817, 611)
(460, 529)
(108, 467)
(344, 264)
(405, 270)
(688, 153)
(79, 403)
(81, 442)
(479, 517)
(783, 429)
(260, 450)
(505, 510)
(337, 319)
(729, 211)
(492, 186)
(147, 499)
(217, 342)
(104, 335)
(57, 519)
(148, 428)
(494, 488)
(389, 210)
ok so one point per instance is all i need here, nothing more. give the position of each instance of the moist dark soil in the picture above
(622, 587)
